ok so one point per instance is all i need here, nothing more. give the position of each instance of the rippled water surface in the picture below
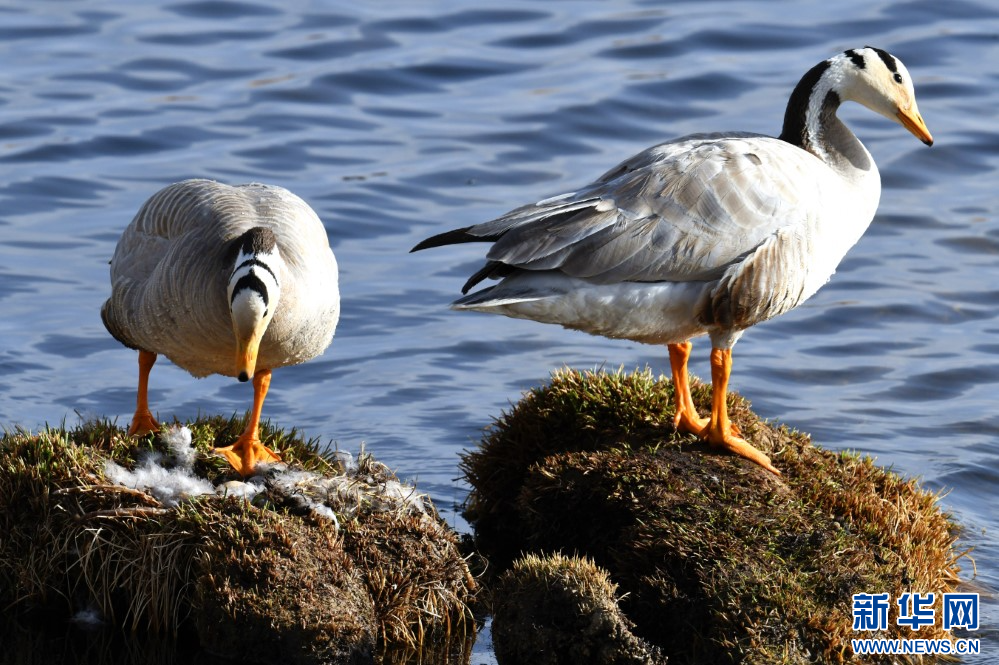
(397, 120)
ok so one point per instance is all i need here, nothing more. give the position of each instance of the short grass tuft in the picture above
(563, 610)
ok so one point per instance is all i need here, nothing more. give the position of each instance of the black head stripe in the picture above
(886, 58)
(255, 263)
(856, 58)
(250, 282)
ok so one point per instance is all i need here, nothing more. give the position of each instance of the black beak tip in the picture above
(243, 377)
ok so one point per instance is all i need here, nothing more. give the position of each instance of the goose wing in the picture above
(679, 211)
(152, 264)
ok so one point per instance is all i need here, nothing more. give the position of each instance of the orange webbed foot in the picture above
(729, 439)
(246, 453)
(689, 422)
(143, 423)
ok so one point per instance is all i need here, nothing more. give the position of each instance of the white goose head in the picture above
(869, 76)
(254, 291)
(882, 83)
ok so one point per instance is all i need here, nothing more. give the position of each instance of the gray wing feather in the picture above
(679, 211)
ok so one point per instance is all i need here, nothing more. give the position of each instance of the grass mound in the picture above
(327, 561)
(717, 559)
(562, 610)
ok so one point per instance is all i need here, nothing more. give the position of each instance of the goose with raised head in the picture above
(708, 234)
(224, 280)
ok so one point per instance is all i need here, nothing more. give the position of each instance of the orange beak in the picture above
(246, 356)
(912, 121)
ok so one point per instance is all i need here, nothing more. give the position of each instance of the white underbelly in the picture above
(651, 313)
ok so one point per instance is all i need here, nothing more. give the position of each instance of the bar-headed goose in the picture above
(223, 280)
(707, 234)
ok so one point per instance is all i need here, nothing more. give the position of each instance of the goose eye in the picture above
(897, 77)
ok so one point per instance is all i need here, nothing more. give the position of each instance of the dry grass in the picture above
(274, 589)
(719, 560)
(412, 600)
(248, 579)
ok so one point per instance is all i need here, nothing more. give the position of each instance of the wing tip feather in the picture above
(453, 237)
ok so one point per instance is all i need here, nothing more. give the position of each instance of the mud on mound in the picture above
(717, 559)
(333, 559)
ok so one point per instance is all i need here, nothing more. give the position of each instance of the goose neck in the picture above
(810, 121)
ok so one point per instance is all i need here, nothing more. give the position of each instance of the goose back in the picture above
(170, 271)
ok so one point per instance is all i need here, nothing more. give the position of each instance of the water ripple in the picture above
(222, 10)
(396, 121)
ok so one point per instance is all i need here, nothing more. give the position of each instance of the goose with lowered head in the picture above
(224, 280)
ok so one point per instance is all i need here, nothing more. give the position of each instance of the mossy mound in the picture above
(719, 560)
(562, 610)
(332, 562)
(287, 581)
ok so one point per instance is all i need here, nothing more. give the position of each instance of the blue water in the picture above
(397, 120)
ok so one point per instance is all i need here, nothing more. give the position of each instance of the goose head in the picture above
(254, 291)
(878, 80)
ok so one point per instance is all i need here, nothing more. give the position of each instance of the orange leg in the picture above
(143, 422)
(687, 418)
(247, 451)
(719, 431)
